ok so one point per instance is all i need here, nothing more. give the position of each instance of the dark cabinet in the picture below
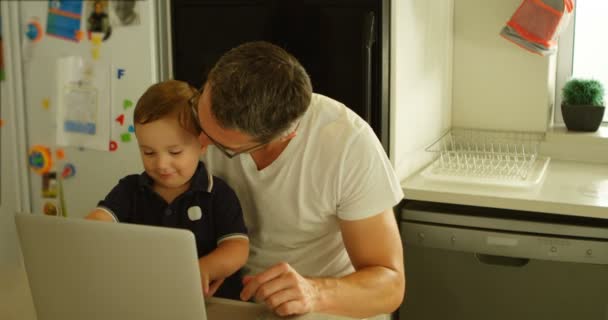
(343, 44)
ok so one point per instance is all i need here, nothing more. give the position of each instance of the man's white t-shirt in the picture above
(334, 168)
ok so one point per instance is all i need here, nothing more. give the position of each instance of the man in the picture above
(316, 187)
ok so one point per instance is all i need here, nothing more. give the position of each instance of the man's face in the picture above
(233, 141)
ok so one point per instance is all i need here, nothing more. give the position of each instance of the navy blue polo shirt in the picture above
(218, 217)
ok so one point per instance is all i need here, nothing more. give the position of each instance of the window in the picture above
(582, 52)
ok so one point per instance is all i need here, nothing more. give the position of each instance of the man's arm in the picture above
(377, 286)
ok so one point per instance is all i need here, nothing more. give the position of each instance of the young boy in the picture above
(177, 191)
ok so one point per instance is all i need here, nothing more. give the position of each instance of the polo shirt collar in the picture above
(202, 180)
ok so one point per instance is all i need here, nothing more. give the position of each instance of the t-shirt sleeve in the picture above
(229, 222)
(368, 183)
(119, 201)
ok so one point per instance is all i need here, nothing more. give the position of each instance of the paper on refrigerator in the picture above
(83, 98)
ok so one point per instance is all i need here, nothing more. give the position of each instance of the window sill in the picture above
(560, 132)
(576, 146)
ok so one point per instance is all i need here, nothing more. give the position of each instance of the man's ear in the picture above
(289, 136)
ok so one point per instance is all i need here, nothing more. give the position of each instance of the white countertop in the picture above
(568, 188)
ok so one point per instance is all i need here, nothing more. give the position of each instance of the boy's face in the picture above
(170, 154)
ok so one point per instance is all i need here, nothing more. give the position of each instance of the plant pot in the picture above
(582, 117)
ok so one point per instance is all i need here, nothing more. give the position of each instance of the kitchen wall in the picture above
(451, 68)
(497, 84)
(421, 79)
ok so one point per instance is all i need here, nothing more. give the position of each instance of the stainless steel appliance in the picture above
(465, 262)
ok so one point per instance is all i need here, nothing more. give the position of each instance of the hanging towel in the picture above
(536, 24)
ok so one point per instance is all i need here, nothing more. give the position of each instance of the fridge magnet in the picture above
(113, 145)
(125, 137)
(120, 73)
(124, 13)
(49, 185)
(63, 209)
(39, 159)
(121, 119)
(34, 30)
(79, 35)
(96, 40)
(131, 129)
(68, 171)
(98, 20)
(83, 109)
(127, 104)
(50, 209)
(45, 103)
(95, 53)
(60, 154)
(63, 19)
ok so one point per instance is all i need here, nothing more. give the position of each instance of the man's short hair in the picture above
(259, 89)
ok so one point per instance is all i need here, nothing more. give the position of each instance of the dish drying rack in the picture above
(488, 157)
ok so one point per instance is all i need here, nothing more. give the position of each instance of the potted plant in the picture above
(583, 104)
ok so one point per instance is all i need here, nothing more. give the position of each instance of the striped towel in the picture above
(536, 24)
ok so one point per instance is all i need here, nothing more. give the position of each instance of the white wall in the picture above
(451, 68)
(497, 84)
(421, 79)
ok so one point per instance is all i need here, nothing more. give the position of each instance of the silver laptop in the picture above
(79, 269)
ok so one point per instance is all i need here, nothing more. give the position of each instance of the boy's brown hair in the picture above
(167, 98)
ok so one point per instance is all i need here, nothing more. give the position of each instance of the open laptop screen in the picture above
(80, 269)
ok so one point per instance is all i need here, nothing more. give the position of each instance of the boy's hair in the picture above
(168, 98)
(259, 89)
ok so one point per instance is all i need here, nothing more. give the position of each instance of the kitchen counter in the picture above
(567, 188)
(16, 303)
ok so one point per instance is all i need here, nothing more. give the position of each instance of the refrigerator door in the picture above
(11, 197)
(15, 298)
(118, 56)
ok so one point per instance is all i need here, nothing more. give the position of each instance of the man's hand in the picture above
(282, 289)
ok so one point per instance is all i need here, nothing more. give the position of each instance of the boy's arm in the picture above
(118, 204)
(229, 256)
(100, 215)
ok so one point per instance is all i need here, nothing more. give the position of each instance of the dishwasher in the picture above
(474, 263)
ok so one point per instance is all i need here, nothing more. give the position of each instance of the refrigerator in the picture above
(75, 76)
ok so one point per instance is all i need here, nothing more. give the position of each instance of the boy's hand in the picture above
(205, 281)
(210, 285)
(213, 286)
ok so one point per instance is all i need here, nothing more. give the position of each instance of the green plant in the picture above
(583, 92)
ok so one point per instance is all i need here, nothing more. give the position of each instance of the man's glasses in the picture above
(225, 150)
